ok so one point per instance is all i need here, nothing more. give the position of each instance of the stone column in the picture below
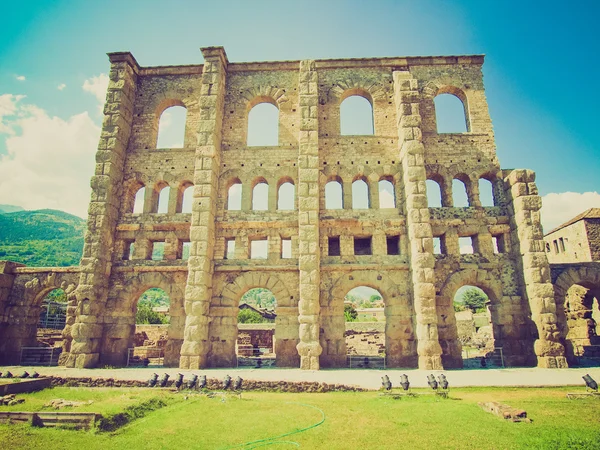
(417, 220)
(309, 307)
(198, 292)
(347, 194)
(92, 292)
(528, 244)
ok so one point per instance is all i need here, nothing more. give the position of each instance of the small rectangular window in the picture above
(128, 249)
(259, 249)
(555, 246)
(437, 245)
(495, 244)
(547, 248)
(334, 246)
(465, 244)
(562, 244)
(500, 244)
(286, 248)
(362, 246)
(229, 249)
(158, 251)
(393, 245)
(185, 250)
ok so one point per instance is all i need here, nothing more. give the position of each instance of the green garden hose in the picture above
(274, 439)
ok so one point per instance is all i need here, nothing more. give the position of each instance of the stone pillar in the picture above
(417, 220)
(373, 184)
(347, 194)
(309, 307)
(528, 243)
(198, 292)
(10, 326)
(92, 292)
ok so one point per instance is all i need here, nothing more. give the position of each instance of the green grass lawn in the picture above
(360, 420)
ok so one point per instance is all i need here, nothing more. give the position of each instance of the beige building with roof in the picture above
(577, 240)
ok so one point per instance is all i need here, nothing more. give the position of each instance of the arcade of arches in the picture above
(188, 215)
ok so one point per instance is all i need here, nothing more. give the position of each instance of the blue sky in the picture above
(540, 72)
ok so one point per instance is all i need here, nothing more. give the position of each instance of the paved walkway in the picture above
(369, 379)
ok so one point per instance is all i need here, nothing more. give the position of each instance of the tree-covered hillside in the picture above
(45, 237)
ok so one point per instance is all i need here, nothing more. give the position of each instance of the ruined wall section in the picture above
(22, 290)
(87, 332)
(592, 227)
(528, 249)
(161, 89)
(196, 346)
(128, 283)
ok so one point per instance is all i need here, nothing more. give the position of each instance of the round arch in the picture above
(447, 328)
(400, 340)
(223, 330)
(586, 277)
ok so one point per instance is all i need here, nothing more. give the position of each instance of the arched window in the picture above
(260, 196)
(459, 194)
(360, 195)
(171, 128)
(138, 203)
(387, 197)
(333, 195)
(187, 198)
(434, 194)
(234, 196)
(263, 125)
(450, 114)
(356, 116)
(285, 197)
(163, 200)
(486, 194)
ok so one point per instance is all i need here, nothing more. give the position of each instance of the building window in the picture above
(158, 251)
(259, 249)
(229, 249)
(286, 248)
(334, 245)
(393, 245)
(362, 246)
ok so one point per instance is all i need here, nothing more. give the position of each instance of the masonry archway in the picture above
(577, 295)
(400, 341)
(256, 328)
(224, 310)
(447, 324)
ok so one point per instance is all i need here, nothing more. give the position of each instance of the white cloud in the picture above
(557, 208)
(8, 108)
(97, 86)
(49, 160)
(20, 77)
(61, 86)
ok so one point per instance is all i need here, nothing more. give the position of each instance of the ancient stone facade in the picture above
(332, 250)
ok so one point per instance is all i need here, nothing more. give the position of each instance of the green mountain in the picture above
(42, 238)
(9, 208)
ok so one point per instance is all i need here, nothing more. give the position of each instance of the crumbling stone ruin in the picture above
(333, 250)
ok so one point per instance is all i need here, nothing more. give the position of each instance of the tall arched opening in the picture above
(151, 339)
(582, 312)
(255, 345)
(474, 328)
(365, 335)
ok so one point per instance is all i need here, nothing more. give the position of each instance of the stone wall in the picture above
(405, 149)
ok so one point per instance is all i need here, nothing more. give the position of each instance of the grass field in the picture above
(362, 420)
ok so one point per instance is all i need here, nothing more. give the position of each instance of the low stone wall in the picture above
(22, 386)
(212, 384)
(153, 332)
